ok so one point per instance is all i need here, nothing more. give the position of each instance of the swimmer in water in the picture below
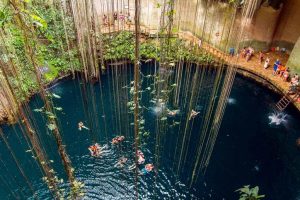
(121, 162)
(173, 113)
(148, 168)
(193, 114)
(141, 160)
(96, 150)
(118, 139)
(81, 126)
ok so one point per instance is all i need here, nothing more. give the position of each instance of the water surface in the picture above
(248, 150)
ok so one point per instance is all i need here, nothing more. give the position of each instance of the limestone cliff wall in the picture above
(294, 60)
(288, 28)
(261, 32)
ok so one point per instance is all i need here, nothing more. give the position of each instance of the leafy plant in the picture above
(247, 193)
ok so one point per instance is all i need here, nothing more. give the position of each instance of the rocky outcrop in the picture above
(6, 109)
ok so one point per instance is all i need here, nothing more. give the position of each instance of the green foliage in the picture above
(247, 193)
(48, 39)
(149, 50)
(121, 46)
(51, 127)
(4, 16)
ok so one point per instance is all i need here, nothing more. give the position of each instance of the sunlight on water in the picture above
(277, 119)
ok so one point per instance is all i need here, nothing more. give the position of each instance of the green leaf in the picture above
(38, 20)
(163, 118)
(52, 116)
(58, 108)
(55, 96)
(38, 110)
(254, 191)
(51, 127)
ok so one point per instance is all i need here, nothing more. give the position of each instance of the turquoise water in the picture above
(248, 151)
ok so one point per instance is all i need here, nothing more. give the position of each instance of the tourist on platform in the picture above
(199, 43)
(281, 69)
(283, 50)
(267, 62)
(231, 51)
(275, 66)
(295, 80)
(115, 16)
(244, 52)
(286, 75)
(261, 57)
(105, 20)
(129, 19)
(121, 17)
(249, 53)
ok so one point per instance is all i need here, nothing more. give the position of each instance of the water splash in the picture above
(159, 108)
(231, 101)
(256, 168)
(277, 119)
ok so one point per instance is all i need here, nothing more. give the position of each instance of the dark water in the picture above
(248, 151)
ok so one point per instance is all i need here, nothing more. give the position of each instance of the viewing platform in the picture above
(253, 66)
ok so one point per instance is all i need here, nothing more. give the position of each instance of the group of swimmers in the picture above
(96, 151)
(141, 160)
(192, 115)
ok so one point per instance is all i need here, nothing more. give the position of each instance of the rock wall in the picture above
(288, 28)
(294, 60)
(261, 32)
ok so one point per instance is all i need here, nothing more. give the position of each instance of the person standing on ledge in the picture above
(231, 51)
(267, 62)
(261, 57)
(276, 64)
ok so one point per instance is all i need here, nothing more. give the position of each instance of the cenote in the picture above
(248, 150)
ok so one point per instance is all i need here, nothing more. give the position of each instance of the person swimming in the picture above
(81, 126)
(117, 139)
(147, 169)
(140, 160)
(121, 162)
(141, 157)
(96, 150)
(172, 113)
(193, 114)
